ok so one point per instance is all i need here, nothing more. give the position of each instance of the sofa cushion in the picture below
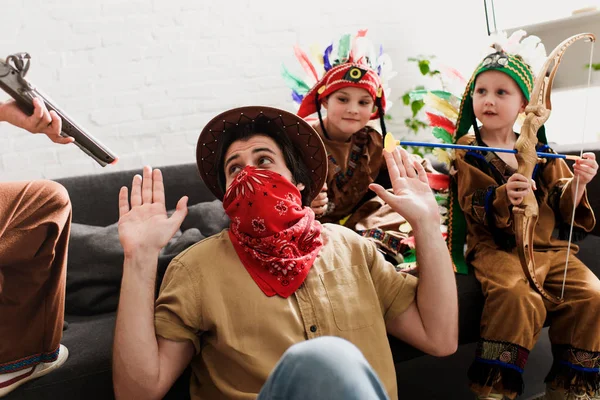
(87, 373)
(95, 263)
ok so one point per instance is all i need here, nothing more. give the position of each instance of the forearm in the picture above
(136, 363)
(437, 298)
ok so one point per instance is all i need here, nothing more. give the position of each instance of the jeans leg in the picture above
(324, 368)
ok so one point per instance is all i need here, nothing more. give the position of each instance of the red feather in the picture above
(452, 72)
(305, 62)
(442, 122)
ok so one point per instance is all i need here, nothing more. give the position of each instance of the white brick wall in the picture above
(145, 76)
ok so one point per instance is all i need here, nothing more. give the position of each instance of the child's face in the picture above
(497, 100)
(348, 110)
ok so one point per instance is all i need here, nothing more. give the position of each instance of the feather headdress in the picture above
(348, 49)
(519, 57)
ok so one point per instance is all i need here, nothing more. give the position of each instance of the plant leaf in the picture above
(406, 98)
(424, 67)
(416, 106)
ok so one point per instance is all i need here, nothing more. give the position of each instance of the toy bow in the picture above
(525, 215)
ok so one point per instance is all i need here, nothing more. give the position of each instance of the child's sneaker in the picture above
(20, 377)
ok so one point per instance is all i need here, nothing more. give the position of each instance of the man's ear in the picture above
(300, 186)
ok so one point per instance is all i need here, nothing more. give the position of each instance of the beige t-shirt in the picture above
(239, 333)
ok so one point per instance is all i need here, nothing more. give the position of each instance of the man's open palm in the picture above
(145, 225)
(412, 197)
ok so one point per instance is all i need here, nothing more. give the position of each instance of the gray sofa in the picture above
(87, 373)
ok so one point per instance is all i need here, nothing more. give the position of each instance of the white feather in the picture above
(529, 48)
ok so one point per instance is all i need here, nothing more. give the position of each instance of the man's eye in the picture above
(234, 169)
(264, 160)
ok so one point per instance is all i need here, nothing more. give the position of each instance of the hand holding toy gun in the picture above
(13, 82)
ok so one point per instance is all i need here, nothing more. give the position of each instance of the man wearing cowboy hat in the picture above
(277, 306)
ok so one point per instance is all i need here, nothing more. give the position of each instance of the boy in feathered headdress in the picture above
(352, 90)
(488, 186)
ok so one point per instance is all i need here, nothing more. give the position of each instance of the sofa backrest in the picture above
(95, 198)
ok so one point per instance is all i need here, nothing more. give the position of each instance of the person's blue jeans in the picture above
(326, 368)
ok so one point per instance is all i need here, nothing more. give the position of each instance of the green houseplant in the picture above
(595, 72)
(415, 123)
(595, 66)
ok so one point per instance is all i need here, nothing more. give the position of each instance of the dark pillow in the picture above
(95, 259)
(208, 217)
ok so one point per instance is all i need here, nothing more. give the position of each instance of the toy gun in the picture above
(13, 82)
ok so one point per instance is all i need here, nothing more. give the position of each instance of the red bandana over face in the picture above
(276, 238)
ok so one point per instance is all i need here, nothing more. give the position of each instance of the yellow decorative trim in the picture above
(462, 103)
(519, 61)
(522, 76)
(525, 69)
(450, 218)
(355, 73)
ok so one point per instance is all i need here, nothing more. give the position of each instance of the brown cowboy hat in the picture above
(302, 135)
